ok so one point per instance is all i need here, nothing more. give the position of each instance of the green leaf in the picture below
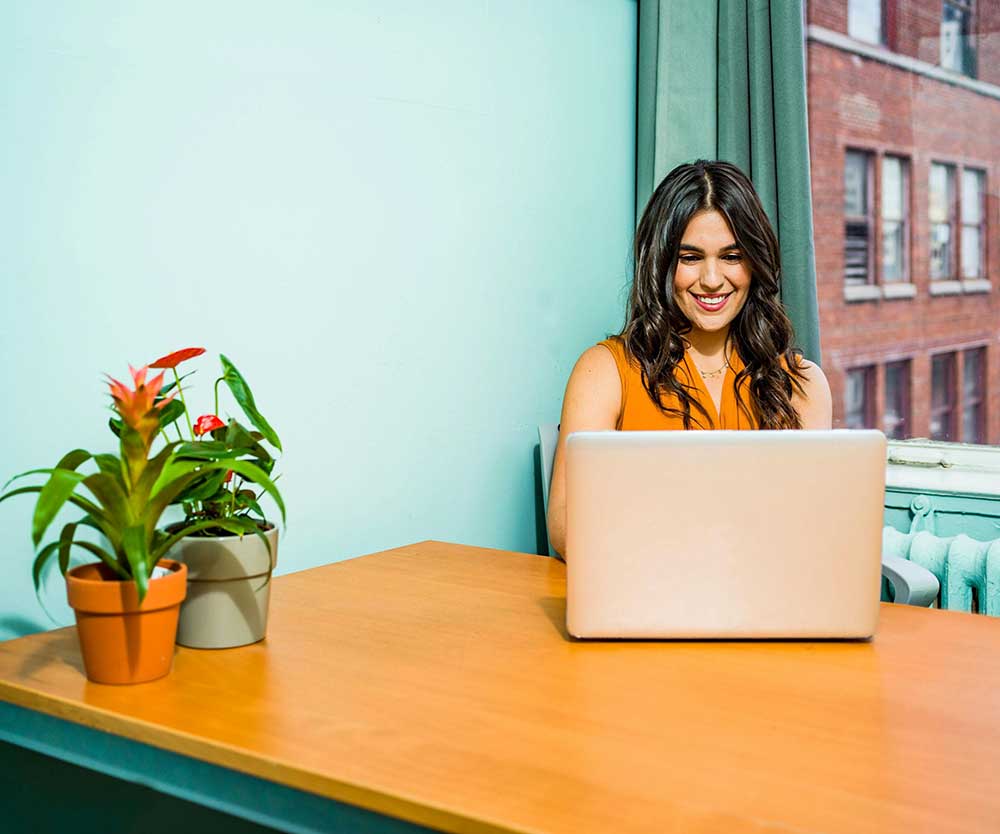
(170, 386)
(137, 553)
(108, 463)
(250, 503)
(51, 499)
(214, 484)
(241, 391)
(65, 542)
(236, 526)
(207, 450)
(171, 413)
(72, 460)
(176, 477)
(110, 492)
(116, 426)
(152, 470)
(40, 561)
(46, 471)
(104, 556)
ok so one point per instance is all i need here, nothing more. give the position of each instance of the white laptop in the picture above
(724, 534)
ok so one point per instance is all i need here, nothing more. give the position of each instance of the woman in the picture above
(706, 342)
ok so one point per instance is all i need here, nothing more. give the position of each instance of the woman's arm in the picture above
(592, 403)
(814, 404)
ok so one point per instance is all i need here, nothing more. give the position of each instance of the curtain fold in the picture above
(727, 80)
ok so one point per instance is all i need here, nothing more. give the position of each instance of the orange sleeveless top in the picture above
(640, 413)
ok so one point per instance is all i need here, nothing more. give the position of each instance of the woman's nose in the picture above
(711, 275)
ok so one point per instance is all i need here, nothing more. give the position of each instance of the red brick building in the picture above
(904, 121)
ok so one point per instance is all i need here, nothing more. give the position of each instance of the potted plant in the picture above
(229, 545)
(126, 605)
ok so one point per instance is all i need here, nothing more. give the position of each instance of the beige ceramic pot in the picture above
(229, 586)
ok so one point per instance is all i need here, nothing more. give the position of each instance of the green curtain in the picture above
(725, 79)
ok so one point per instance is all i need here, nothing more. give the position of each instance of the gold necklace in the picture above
(715, 373)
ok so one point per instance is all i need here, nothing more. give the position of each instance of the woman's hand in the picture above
(593, 402)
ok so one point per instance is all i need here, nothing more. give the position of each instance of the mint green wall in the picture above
(403, 222)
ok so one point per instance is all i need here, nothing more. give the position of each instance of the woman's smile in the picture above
(712, 303)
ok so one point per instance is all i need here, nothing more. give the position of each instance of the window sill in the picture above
(862, 292)
(899, 290)
(974, 285)
(946, 288)
(875, 292)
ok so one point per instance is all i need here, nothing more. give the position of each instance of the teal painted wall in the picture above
(403, 221)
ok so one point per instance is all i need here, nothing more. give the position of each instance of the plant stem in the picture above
(187, 416)
(232, 499)
(216, 412)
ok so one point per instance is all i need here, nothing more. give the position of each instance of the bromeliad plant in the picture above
(223, 502)
(127, 494)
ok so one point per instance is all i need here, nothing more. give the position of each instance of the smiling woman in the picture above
(706, 342)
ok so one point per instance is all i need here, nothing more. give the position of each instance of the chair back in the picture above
(548, 437)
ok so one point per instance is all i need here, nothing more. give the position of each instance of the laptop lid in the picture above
(714, 534)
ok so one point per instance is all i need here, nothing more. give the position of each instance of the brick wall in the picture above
(913, 28)
(855, 102)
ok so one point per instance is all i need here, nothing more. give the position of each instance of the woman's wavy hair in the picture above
(761, 332)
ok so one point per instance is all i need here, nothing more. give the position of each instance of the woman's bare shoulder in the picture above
(593, 393)
(814, 403)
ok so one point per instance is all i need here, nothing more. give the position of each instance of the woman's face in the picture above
(712, 278)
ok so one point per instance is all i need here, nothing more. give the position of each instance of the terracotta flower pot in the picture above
(122, 641)
(229, 588)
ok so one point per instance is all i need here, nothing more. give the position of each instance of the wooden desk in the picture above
(436, 683)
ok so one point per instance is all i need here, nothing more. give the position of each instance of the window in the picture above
(973, 221)
(896, 417)
(864, 21)
(859, 398)
(943, 396)
(857, 218)
(973, 399)
(958, 52)
(895, 175)
(942, 216)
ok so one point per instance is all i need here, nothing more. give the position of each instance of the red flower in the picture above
(229, 476)
(207, 423)
(138, 407)
(172, 360)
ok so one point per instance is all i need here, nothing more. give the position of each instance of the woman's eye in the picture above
(689, 259)
(733, 258)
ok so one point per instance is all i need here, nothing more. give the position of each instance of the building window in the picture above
(896, 417)
(958, 51)
(895, 185)
(859, 398)
(973, 395)
(942, 217)
(973, 222)
(943, 396)
(857, 218)
(864, 21)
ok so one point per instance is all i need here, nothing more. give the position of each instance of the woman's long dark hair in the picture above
(761, 332)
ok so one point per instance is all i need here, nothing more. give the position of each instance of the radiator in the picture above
(968, 569)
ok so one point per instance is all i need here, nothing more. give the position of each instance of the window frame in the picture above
(902, 428)
(951, 406)
(869, 218)
(953, 217)
(904, 220)
(981, 226)
(966, 51)
(981, 399)
(868, 389)
(882, 40)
